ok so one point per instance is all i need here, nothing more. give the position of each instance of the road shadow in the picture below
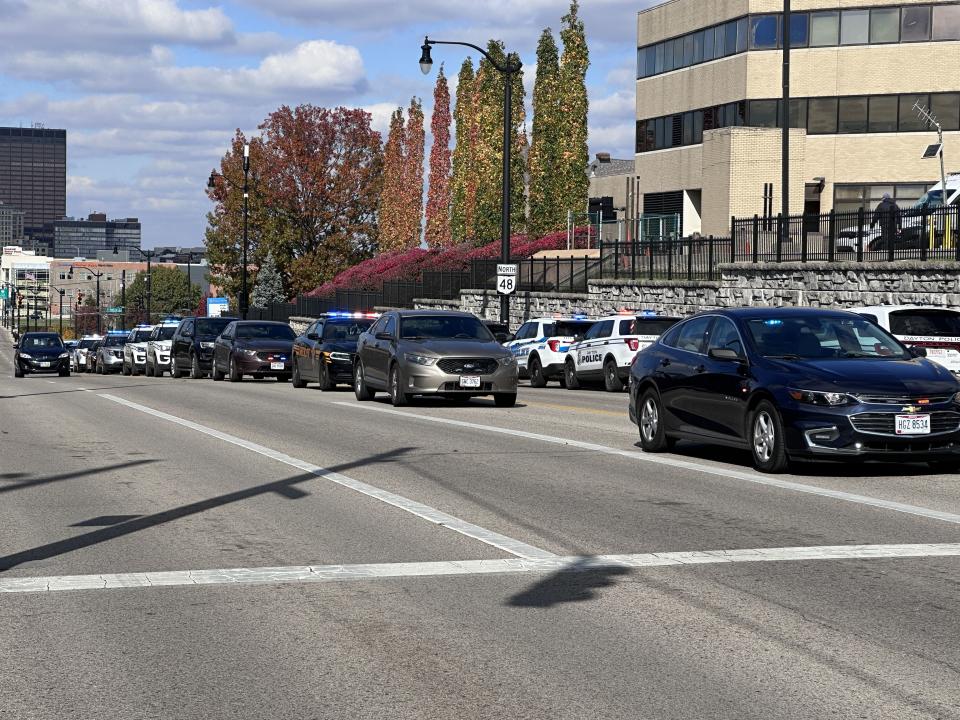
(579, 582)
(440, 402)
(75, 390)
(36, 482)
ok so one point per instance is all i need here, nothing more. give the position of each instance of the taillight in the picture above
(633, 344)
(633, 361)
(554, 345)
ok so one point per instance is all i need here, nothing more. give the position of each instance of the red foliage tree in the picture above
(438, 197)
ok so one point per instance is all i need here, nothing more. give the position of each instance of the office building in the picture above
(29, 275)
(33, 174)
(89, 238)
(11, 225)
(708, 83)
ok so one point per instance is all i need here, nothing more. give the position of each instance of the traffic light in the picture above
(19, 300)
(79, 299)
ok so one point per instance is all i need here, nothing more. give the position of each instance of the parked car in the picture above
(936, 330)
(325, 352)
(158, 348)
(428, 352)
(135, 350)
(254, 347)
(541, 346)
(787, 383)
(40, 352)
(83, 349)
(606, 352)
(108, 357)
(71, 346)
(92, 355)
(191, 348)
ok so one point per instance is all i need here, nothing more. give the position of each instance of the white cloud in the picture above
(618, 140)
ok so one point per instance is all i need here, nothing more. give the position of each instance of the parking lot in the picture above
(178, 548)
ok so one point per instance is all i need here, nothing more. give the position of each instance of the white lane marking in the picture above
(340, 573)
(510, 545)
(51, 382)
(684, 464)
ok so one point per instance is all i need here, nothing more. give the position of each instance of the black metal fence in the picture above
(665, 258)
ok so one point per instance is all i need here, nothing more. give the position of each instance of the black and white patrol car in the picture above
(540, 346)
(607, 350)
(935, 329)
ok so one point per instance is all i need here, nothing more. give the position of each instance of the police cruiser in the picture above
(607, 350)
(540, 346)
(135, 351)
(936, 330)
(158, 346)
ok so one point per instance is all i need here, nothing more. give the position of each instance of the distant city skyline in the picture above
(151, 91)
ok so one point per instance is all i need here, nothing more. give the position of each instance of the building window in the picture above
(849, 198)
(915, 24)
(854, 27)
(909, 120)
(799, 29)
(853, 115)
(884, 25)
(698, 47)
(883, 114)
(762, 113)
(763, 32)
(946, 22)
(946, 108)
(708, 45)
(687, 51)
(822, 118)
(678, 53)
(824, 29)
(688, 128)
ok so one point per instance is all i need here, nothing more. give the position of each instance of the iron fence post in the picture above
(925, 241)
(650, 252)
(755, 247)
(616, 261)
(780, 237)
(710, 257)
(832, 236)
(689, 245)
(860, 222)
(733, 239)
(803, 240)
(670, 257)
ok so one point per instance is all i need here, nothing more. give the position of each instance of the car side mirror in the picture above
(725, 354)
(384, 336)
(918, 352)
(577, 338)
(312, 336)
(504, 338)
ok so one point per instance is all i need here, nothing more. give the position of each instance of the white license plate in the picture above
(44, 364)
(469, 381)
(276, 366)
(913, 425)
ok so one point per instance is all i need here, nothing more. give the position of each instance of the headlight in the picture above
(249, 353)
(64, 355)
(338, 356)
(508, 361)
(956, 398)
(827, 399)
(25, 355)
(420, 359)
(206, 346)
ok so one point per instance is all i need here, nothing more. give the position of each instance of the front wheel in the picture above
(570, 375)
(64, 373)
(505, 400)
(324, 378)
(767, 444)
(235, 374)
(298, 381)
(148, 369)
(360, 388)
(17, 372)
(653, 436)
(124, 369)
(611, 377)
(175, 371)
(195, 372)
(397, 395)
(537, 378)
(215, 372)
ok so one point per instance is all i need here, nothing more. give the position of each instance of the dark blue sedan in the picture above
(795, 383)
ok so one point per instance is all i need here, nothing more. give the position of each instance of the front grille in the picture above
(884, 424)
(468, 366)
(914, 446)
(903, 399)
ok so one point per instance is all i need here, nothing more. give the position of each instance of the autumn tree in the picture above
(390, 208)
(546, 196)
(413, 176)
(463, 182)
(438, 197)
(575, 185)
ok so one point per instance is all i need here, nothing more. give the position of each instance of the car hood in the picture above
(137, 346)
(43, 352)
(455, 348)
(163, 343)
(265, 345)
(900, 377)
(344, 347)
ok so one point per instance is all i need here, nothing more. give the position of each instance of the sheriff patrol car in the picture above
(607, 350)
(540, 346)
(937, 330)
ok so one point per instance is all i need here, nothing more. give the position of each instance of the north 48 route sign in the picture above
(506, 278)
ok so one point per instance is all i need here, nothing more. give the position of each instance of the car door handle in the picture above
(665, 362)
(700, 368)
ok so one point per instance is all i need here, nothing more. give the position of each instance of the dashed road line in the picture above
(344, 573)
(508, 544)
(726, 473)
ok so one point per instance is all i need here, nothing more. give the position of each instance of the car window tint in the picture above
(567, 328)
(391, 326)
(671, 336)
(651, 326)
(606, 329)
(625, 327)
(346, 330)
(936, 323)
(724, 336)
(42, 342)
(266, 331)
(593, 332)
(459, 327)
(165, 333)
(821, 337)
(693, 335)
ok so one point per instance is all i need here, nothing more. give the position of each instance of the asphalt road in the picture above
(448, 562)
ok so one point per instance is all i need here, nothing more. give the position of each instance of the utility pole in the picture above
(123, 299)
(149, 254)
(785, 125)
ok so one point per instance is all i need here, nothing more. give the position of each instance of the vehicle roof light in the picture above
(773, 322)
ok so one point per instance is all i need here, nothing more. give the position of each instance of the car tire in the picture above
(360, 387)
(537, 378)
(324, 379)
(215, 372)
(398, 398)
(195, 372)
(505, 400)
(298, 382)
(17, 372)
(234, 375)
(611, 376)
(64, 373)
(653, 434)
(767, 442)
(570, 375)
(175, 371)
(148, 369)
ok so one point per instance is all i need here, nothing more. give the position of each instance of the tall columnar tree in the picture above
(413, 176)
(489, 159)
(575, 184)
(438, 197)
(390, 212)
(546, 200)
(463, 183)
(268, 287)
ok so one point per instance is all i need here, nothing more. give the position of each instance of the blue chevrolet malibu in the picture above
(790, 383)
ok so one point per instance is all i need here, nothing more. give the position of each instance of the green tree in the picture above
(268, 288)
(574, 106)
(413, 176)
(438, 198)
(390, 208)
(170, 293)
(546, 201)
(463, 181)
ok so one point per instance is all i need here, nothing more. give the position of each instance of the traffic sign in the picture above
(506, 284)
(506, 269)
(115, 311)
(4, 294)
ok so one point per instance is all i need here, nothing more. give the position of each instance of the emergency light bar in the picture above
(352, 315)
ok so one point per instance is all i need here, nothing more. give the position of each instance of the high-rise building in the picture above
(33, 174)
(70, 238)
(11, 225)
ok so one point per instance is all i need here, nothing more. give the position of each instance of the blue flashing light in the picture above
(580, 317)
(648, 313)
(773, 322)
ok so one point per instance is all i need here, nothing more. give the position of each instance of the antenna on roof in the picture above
(931, 120)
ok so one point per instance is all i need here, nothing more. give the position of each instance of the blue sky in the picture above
(150, 91)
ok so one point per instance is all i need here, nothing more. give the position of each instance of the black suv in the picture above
(191, 349)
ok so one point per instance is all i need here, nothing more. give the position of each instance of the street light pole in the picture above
(507, 69)
(244, 298)
(123, 299)
(149, 254)
(785, 125)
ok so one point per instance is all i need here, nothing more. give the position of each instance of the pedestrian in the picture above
(887, 215)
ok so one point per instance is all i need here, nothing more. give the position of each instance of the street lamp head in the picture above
(212, 182)
(426, 62)
(246, 150)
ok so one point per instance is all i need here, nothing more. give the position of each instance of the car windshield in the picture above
(211, 326)
(86, 344)
(933, 323)
(459, 327)
(824, 337)
(345, 329)
(115, 340)
(265, 332)
(567, 328)
(166, 332)
(141, 336)
(651, 326)
(42, 342)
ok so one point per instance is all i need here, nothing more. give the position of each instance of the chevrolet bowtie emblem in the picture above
(910, 409)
